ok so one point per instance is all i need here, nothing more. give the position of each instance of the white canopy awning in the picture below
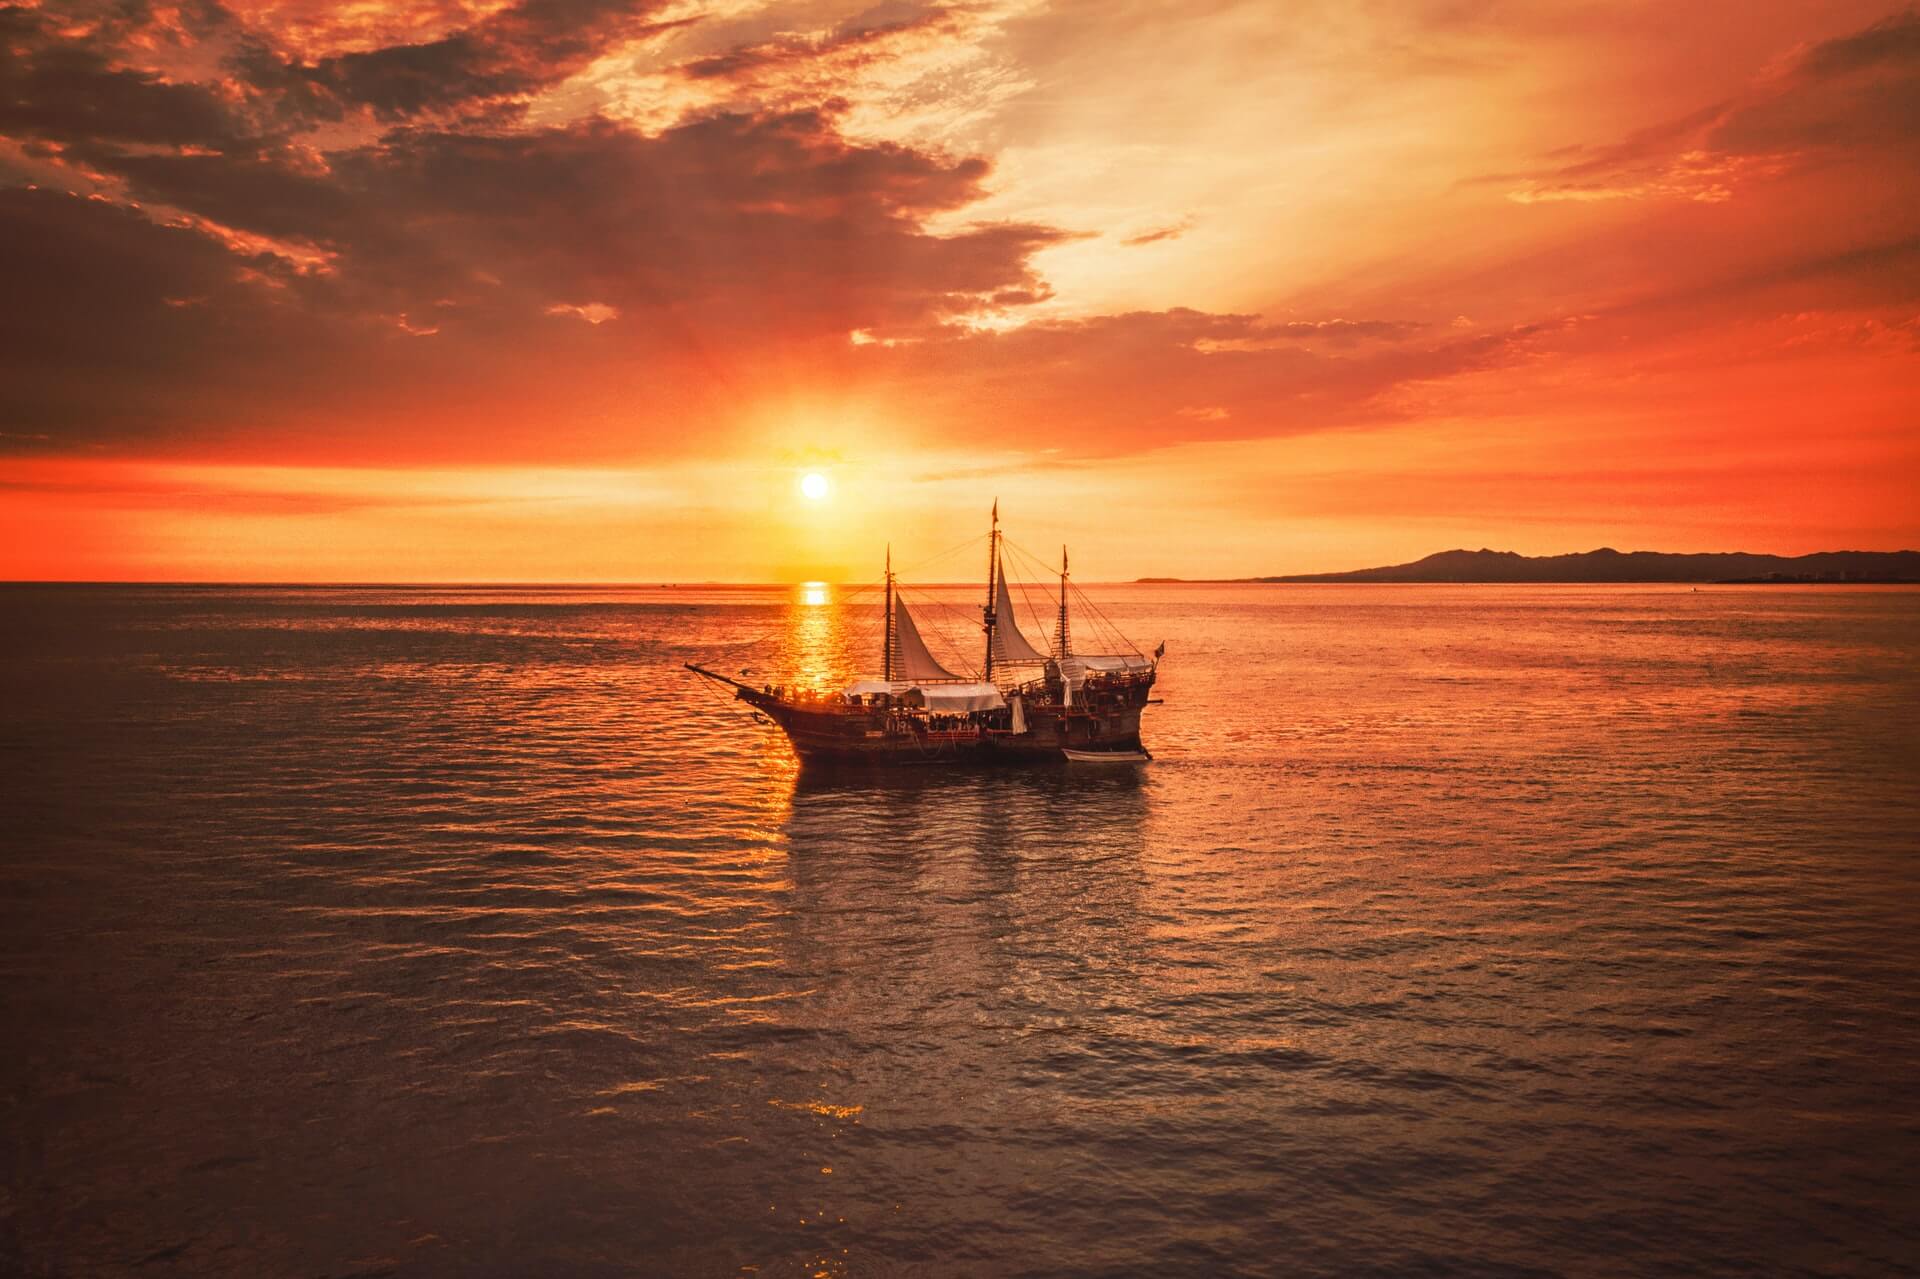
(956, 698)
(1077, 667)
(947, 698)
(871, 687)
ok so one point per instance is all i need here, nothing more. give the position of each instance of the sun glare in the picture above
(813, 594)
(814, 487)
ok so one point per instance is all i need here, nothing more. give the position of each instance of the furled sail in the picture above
(1013, 646)
(913, 663)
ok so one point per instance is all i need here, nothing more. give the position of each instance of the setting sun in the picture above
(814, 487)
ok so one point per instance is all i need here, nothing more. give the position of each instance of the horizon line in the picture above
(763, 584)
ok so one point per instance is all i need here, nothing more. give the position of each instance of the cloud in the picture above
(66, 90)
(331, 232)
(1344, 331)
(734, 242)
(1851, 97)
(512, 53)
(1855, 278)
(1851, 94)
(1894, 41)
(1172, 231)
(274, 210)
(309, 30)
(797, 240)
(902, 70)
(109, 315)
(1114, 384)
(592, 312)
(856, 42)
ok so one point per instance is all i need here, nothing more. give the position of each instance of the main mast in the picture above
(1061, 639)
(988, 620)
(886, 661)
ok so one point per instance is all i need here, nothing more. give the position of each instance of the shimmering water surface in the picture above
(1489, 930)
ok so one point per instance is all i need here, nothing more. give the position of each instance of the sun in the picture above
(814, 487)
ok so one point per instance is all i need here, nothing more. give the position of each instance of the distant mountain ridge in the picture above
(1609, 565)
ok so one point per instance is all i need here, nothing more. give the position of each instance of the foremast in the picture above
(989, 620)
(887, 644)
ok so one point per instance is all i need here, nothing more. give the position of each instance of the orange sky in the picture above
(578, 290)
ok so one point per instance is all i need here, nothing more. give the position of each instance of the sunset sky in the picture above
(580, 290)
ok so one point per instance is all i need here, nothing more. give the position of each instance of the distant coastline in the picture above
(1608, 565)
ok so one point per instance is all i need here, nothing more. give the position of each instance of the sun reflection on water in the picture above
(813, 636)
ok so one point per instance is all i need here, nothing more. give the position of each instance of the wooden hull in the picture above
(828, 732)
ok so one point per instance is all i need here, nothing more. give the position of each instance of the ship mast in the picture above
(1062, 644)
(886, 660)
(988, 620)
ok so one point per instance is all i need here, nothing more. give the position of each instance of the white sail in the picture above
(915, 662)
(1013, 646)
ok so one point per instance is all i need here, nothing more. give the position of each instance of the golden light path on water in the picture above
(463, 931)
(813, 635)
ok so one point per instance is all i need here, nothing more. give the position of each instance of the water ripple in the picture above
(457, 932)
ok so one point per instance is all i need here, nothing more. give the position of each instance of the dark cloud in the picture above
(132, 331)
(748, 215)
(1892, 42)
(1855, 278)
(755, 222)
(406, 285)
(68, 90)
(415, 283)
(1857, 92)
(862, 39)
(743, 247)
(1852, 97)
(275, 191)
(514, 52)
(114, 324)
(85, 83)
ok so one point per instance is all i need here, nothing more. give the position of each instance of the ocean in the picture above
(1476, 930)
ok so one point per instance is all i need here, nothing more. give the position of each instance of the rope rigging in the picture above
(1026, 597)
(1103, 626)
(854, 631)
(844, 599)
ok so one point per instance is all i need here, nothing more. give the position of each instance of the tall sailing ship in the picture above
(1028, 706)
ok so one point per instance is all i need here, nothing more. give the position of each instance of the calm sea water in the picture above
(1476, 930)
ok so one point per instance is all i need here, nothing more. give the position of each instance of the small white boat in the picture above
(1106, 757)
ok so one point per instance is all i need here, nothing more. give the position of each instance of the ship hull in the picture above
(886, 738)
